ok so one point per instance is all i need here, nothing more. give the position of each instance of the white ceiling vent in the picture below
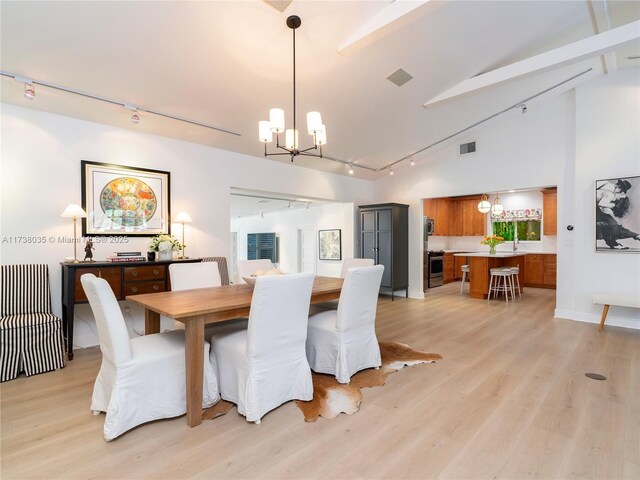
(399, 77)
(280, 5)
(466, 148)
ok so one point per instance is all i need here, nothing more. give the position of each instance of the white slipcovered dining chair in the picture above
(140, 379)
(348, 263)
(246, 268)
(342, 342)
(187, 276)
(265, 366)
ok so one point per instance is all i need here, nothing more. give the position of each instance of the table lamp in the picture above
(75, 212)
(183, 217)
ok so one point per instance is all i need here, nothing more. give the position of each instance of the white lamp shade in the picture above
(264, 131)
(321, 135)
(314, 122)
(484, 206)
(290, 142)
(497, 208)
(183, 217)
(276, 119)
(74, 210)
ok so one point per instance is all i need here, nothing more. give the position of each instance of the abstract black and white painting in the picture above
(330, 244)
(618, 215)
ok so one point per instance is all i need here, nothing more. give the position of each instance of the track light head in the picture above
(391, 172)
(351, 170)
(135, 118)
(29, 91)
(412, 162)
(523, 107)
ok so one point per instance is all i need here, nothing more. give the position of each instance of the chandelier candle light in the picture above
(275, 124)
(74, 211)
(183, 217)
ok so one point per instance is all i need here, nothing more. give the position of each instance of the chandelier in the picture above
(275, 124)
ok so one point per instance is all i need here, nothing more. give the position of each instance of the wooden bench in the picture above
(617, 300)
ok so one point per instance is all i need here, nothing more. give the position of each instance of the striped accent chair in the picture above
(222, 267)
(31, 337)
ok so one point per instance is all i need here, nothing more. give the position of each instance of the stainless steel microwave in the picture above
(429, 226)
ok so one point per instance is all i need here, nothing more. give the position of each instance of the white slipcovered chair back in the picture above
(248, 267)
(278, 318)
(112, 330)
(187, 276)
(359, 298)
(355, 263)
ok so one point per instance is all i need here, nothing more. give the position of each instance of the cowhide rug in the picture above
(331, 398)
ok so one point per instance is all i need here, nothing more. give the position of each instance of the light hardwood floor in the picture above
(509, 400)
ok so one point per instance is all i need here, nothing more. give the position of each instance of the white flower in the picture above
(165, 246)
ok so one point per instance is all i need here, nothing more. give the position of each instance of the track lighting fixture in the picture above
(412, 162)
(307, 205)
(523, 107)
(135, 118)
(391, 172)
(261, 214)
(29, 91)
(351, 170)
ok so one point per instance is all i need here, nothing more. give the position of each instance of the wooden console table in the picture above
(125, 278)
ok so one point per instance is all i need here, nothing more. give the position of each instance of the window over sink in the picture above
(523, 231)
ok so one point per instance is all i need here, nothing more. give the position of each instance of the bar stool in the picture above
(502, 283)
(515, 277)
(466, 272)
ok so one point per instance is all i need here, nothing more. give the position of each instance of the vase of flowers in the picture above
(165, 245)
(492, 241)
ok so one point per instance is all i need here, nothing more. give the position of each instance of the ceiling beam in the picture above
(601, 22)
(391, 18)
(574, 52)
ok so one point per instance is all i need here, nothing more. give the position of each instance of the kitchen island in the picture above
(481, 262)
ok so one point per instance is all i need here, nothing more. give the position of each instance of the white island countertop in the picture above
(491, 255)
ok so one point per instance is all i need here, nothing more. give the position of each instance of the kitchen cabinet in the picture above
(540, 270)
(448, 269)
(473, 223)
(384, 238)
(456, 218)
(438, 209)
(550, 212)
(550, 270)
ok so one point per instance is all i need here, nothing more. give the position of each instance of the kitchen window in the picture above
(523, 231)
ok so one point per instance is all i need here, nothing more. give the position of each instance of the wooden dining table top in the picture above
(203, 301)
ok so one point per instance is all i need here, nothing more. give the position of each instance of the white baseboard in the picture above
(588, 317)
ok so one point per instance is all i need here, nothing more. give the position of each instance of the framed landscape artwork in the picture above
(330, 243)
(618, 214)
(122, 200)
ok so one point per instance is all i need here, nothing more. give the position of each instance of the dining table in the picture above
(203, 306)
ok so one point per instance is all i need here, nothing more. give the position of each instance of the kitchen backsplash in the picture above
(472, 244)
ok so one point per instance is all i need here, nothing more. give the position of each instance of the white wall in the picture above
(40, 170)
(286, 224)
(569, 141)
(607, 145)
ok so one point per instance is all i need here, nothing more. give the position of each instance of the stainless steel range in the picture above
(434, 268)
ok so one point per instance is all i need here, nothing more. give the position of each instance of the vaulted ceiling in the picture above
(226, 63)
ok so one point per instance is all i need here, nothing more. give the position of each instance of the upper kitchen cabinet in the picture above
(439, 210)
(550, 211)
(455, 217)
